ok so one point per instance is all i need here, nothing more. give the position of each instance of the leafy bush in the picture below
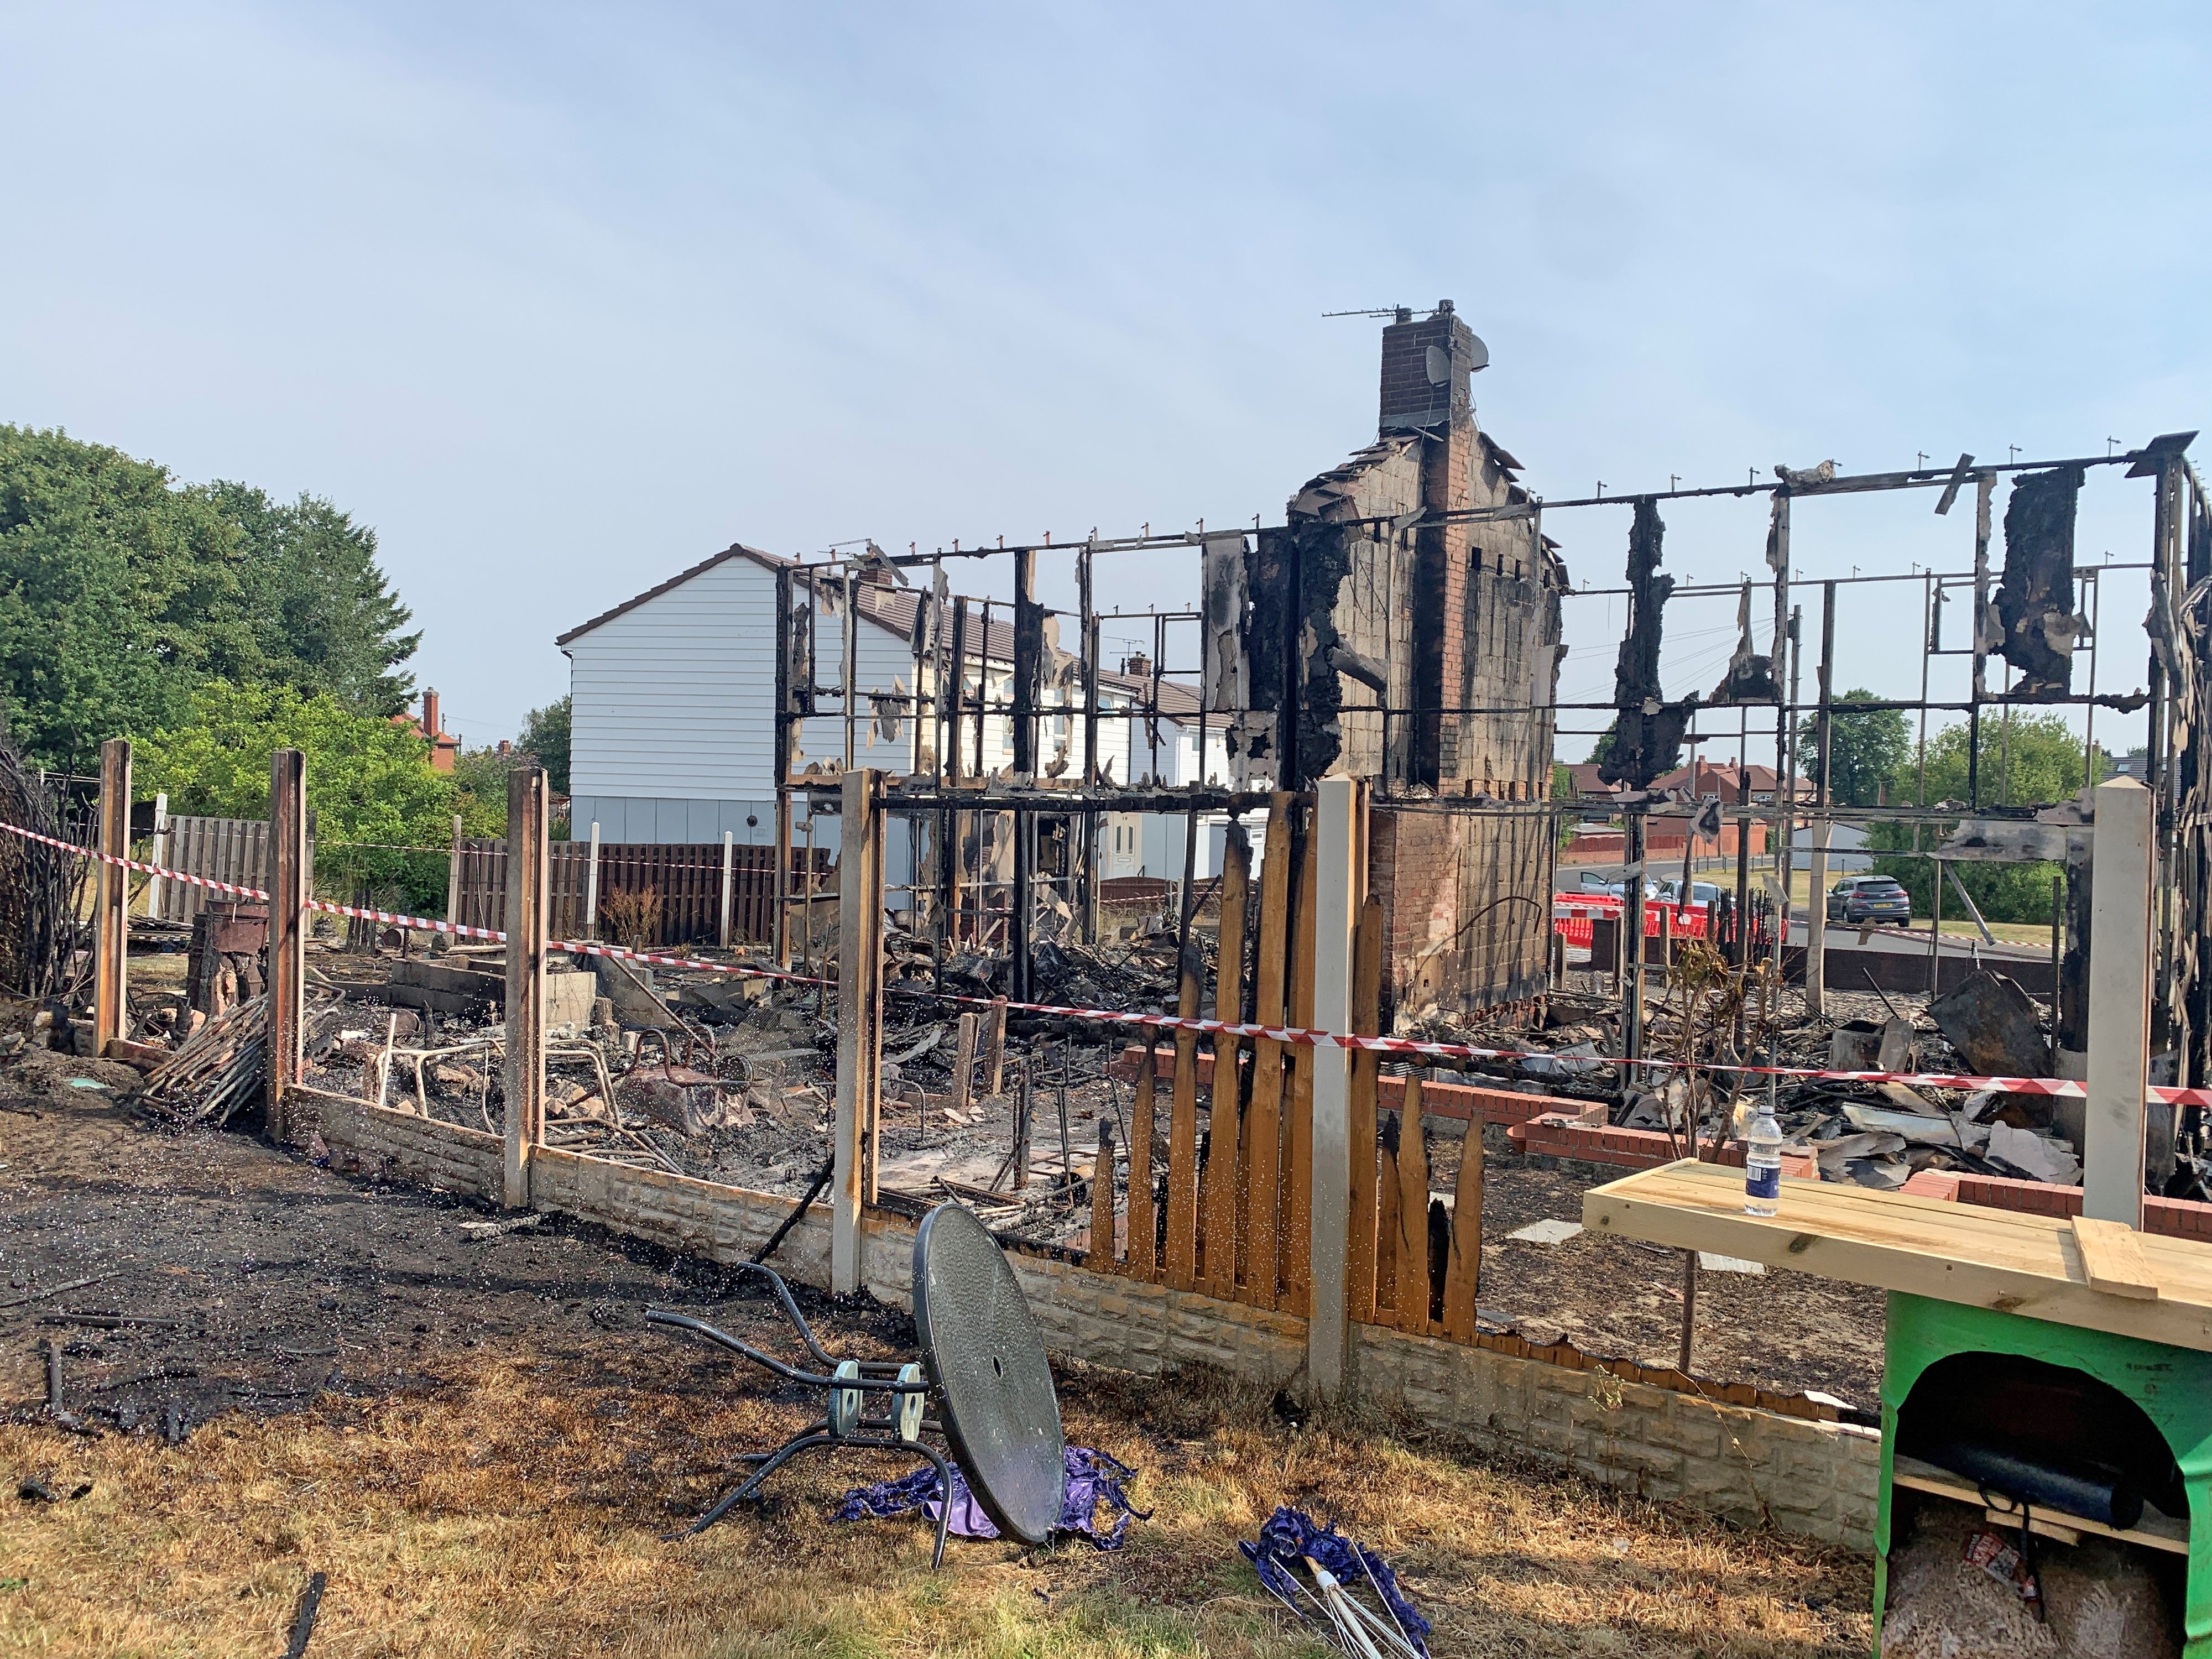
(370, 784)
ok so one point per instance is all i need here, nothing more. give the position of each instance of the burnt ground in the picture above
(267, 1280)
(282, 1279)
(1790, 1333)
(436, 1423)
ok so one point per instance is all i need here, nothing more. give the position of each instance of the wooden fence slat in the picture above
(1101, 1259)
(1366, 1066)
(1182, 1136)
(1298, 1131)
(963, 1066)
(1217, 1218)
(1143, 1230)
(1464, 1272)
(1263, 1119)
(1412, 1304)
(1386, 1228)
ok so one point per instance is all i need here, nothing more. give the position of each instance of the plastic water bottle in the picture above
(1762, 1163)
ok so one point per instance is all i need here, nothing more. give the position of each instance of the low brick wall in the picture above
(421, 1149)
(2172, 1218)
(1747, 1464)
(1753, 1467)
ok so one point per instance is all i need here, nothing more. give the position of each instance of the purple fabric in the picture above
(1093, 1479)
(1291, 1535)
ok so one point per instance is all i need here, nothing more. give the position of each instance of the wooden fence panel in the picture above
(687, 878)
(221, 850)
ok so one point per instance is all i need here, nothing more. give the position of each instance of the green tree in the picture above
(2039, 761)
(1603, 746)
(545, 739)
(480, 775)
(1870, 745)
(323, 617)
(121, 590)
(117, 593)
(382, 816)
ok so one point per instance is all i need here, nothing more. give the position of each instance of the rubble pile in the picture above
(1874, 1134)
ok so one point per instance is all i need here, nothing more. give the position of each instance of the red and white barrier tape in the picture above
(1287, 1034)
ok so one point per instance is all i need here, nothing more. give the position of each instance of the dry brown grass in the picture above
(515, 1510)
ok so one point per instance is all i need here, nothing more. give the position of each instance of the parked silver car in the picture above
(1869, 899)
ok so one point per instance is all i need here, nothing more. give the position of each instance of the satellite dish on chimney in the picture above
(1481, 358)
(1439, 366)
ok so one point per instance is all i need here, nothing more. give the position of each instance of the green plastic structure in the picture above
(2173, 1387)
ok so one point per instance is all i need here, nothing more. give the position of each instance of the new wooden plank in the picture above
(1297, 1231)
(1262, 1118)
(1144, 1239)
(2005, 1235)
(2013, 1238)
(2112, 1260)
(1182, 1136)
(1463, 1271)
(1923, 1246)
(1366, 1066)
(1412, 1303)
(1217, 1201)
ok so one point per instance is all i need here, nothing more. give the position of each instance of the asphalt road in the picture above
(1906, 941)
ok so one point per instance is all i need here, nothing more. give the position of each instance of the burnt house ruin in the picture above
(1388, 641)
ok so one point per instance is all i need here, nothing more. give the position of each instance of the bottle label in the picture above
(1762, 1181)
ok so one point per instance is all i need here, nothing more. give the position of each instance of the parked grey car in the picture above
(1869, 899)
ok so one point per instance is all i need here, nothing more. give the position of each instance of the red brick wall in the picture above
(2171, 1217)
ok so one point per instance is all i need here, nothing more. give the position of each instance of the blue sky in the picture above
(562, 299)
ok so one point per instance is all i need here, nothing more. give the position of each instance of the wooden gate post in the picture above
(1338, 898)
(860, 1020)
(529, 901)
(2122, 861)
(287, 928)
(112, 937)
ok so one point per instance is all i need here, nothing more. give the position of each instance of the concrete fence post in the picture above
(529, 901)
(453, 876)
(729, 859)
(860, 1013)
(591, 887)
(2123, 863)
(158, 854)
(111, 944)
(1338, 896)
(1816, 922)
(288, 929)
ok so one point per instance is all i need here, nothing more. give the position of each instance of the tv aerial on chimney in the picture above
(1396, 313)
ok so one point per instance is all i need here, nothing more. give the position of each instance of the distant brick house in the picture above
(445, 747)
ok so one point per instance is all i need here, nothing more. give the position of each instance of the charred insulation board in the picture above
(2035, 601)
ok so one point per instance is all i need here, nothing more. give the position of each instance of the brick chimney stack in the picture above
(1426, 368)
(444, 750)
